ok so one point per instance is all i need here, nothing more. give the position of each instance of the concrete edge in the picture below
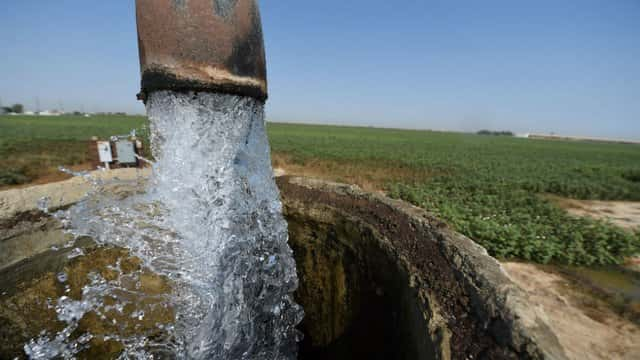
(500, 302)
(68, 192)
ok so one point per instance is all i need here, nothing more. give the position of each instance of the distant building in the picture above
(49, 113)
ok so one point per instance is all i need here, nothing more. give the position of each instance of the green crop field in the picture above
(490, 188)
(64, 128)
(34, 146)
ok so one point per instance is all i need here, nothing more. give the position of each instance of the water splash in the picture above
(210, 221)
(213, 174)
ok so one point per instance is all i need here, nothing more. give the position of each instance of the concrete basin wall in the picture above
(379, 279)
(385, 279)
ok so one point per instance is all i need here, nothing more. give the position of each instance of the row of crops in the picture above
(490, 188)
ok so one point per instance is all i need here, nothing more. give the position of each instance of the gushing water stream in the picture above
(210, 221)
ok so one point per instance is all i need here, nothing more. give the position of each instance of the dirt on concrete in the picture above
(585, 332)
(484, 312)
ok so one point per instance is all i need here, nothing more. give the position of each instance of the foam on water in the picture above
(211, 221)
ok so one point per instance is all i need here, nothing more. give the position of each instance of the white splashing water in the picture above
(211, 221)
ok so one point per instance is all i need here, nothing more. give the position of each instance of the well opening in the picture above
(357, 296)
(381, 279)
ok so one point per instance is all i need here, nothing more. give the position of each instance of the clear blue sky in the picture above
(569, 66)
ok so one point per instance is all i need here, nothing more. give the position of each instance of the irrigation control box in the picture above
(104, 152)
(118, 152)
(126, 152)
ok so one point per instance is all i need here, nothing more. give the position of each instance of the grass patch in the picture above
(13, 177)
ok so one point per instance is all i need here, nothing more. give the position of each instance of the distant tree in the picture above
(17, 108)
(5, 109)
(496, 133)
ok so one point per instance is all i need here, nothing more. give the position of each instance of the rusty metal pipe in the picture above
(201, 45)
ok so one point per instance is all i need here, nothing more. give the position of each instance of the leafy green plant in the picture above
(632, 175)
